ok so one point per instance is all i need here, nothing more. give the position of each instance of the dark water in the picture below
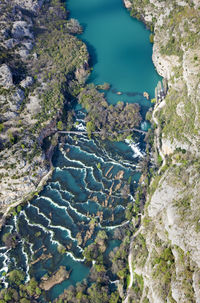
(81, 190)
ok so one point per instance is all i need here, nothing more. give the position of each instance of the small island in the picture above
(58, 277)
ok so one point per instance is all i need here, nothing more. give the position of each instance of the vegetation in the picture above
(99, 289)
(18, 291)
(151, 38)
(174, 125)
(61, 55)
(96, 293)
(10, 239)
(108, 121)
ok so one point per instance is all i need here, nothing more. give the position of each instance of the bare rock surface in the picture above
(21, 29)
(26, 82)
(6, 80)
(32, 5)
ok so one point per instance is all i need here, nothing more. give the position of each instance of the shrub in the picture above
(60, 125)
(151, 38)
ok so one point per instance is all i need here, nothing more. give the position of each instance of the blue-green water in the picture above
(84, 183)
(119, 47)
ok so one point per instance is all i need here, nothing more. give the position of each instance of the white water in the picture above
(26, 262)
(135, 148)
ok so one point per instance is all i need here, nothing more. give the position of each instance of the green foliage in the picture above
(5, 237)
(163, 267)
(138, 283)
(105, 86)
(151, 38)
(90, 126)
(101, 235)
(108, 121)
(97, 296)
(61, 249)
(38, 234)
(114, 298)
(31, 287)
(139, 252)
(19, 208)
(11, 138)
(99, 268)
(96, 293)
(10, 239)
(1, 127)
(60, 125)
(129, 213)
(129, 180)
(176, 42)
(159, 160)
(16, 277)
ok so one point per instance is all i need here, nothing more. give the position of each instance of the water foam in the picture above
(135, 148)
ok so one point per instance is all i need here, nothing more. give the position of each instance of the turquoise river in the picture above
(84, 194)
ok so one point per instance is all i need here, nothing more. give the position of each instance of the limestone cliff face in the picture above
(32, 88)
(19, 175)
(171, 220)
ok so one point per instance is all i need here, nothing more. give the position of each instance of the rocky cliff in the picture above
(166, 252)
(41, 64)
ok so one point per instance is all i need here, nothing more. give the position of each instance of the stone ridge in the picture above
(170, 229)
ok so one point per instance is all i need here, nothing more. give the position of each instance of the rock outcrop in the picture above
(21, 30)
(61, 275)
(30, 5)
(28, 81)
(6, 80)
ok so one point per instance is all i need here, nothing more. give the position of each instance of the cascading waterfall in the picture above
(79, 191)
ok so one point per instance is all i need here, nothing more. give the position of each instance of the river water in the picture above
(85, 189)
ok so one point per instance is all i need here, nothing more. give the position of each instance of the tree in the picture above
(98, 294)
(16, 276)
(38, 291)
(31, 287)
(60, 125)
(10, 239)
(19, 208)
(1, 127)
(24, 300)
(151, 38)
(90, 127)
(114, 298)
